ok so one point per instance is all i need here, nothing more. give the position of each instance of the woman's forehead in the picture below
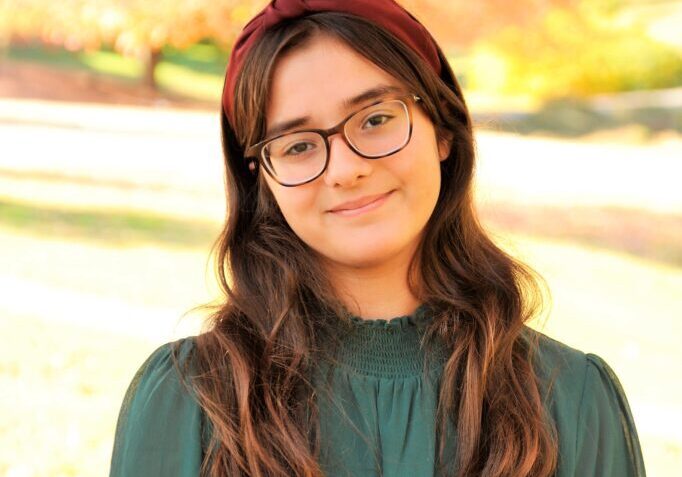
(324, 76)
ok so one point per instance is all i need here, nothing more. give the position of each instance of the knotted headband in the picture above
(386, 13)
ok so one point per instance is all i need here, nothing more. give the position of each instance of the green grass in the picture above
(200, 58)
(111, 63)
(118, 228)
(195, 72)
(52, 56)
(187, 82)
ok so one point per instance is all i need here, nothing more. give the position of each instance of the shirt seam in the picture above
(581, 405)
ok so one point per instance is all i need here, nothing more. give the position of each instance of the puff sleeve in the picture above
(607, 444)
(158, 432)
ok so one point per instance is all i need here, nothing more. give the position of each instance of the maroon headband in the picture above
(386, 13)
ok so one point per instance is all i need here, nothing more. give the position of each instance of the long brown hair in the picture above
(252, 362)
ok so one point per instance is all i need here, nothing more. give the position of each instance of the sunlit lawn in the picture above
(61, 385)
(89, 290)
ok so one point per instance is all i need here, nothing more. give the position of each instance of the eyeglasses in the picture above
(375, 131)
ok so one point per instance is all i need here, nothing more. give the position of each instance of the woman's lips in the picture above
(374, 204)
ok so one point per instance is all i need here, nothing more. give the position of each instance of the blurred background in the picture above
(111, 194)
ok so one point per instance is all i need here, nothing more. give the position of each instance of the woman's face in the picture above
(313, 81)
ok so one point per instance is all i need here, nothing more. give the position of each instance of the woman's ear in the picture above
(444, 144)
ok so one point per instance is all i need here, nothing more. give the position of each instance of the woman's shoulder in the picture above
(159, 427)
(569, 370)
(163, 375)
(160, 373)
(160, 362)
(590, 408)
(569, 374)
(556, 361)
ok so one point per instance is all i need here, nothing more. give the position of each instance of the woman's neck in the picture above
(377, 291)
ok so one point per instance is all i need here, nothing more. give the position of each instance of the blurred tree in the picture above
(589, 48)
(457, 24)
(141, 28)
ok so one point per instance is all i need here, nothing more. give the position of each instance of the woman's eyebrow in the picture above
(372, 93)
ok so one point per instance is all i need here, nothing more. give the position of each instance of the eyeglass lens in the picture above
(375, 131)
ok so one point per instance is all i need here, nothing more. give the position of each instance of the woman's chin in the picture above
(364, 255)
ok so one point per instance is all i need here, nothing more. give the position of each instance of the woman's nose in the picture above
(345, 165)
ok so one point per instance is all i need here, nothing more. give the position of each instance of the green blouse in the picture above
(381, 389)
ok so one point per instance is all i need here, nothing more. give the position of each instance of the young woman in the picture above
(370, 326)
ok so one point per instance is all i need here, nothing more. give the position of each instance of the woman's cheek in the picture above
(300, 213)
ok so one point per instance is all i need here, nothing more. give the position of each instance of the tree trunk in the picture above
(151, 60)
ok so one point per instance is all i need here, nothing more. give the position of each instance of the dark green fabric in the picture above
(383, 392)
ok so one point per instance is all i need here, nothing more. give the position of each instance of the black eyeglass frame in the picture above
(257, 150)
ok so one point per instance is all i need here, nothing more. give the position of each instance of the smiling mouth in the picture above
(376, 203)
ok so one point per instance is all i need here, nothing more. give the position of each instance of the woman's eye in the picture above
(377, 120)
(298, 148)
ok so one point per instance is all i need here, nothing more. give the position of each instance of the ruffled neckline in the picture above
(417, 318)
(386, 348)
